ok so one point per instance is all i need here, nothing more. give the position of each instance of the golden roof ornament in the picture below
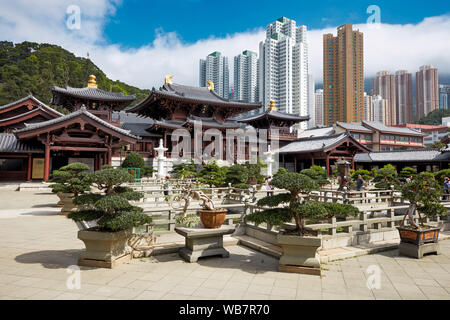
(210, 85)
(272, 106)
(167, 79)
(92, 83)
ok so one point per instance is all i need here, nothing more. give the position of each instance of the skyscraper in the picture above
(444, 96)
(318, 99)
(283, 67)
(427, 90)
(343, 76)
(404, 97)
(368, 108)
(384, 86)
(215, 69)
(311, 102)
(380, 109)
(245, 77)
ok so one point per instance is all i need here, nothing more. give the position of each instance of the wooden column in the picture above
(328, 165)
(47, 161)
(29, 167)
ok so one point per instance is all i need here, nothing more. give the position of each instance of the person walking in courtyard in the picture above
(408, 179)
(446, 188)
(359, 183)
(166, 186)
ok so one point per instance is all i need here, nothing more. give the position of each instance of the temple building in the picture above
(37, 140)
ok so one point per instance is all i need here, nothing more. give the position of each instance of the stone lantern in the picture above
(161, 159)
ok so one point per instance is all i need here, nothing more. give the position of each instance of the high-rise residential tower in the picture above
(444, 96)
(380, 109)
(427, 90)
(343, 76)
(384, 86)
(311, 102)
(404, 97)
(245, 77)
(318, 99)
(368, 108)
(215, 68)
(283, 67)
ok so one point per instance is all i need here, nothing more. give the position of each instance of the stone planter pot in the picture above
(415, 243)
(60, 196)
(299, 254)
(67, 203)
(104, 249)
(213, 219)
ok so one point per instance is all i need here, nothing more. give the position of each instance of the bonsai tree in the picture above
(237, 176)
(318, 174)
(386, 177)
(187, 173)
(71, 179)
(440, 175)
(110, 208)
(407, 172)
(424, 194)
(296, 204)
(148, 171)
(254, 171)
(213, 175)
(133, 160)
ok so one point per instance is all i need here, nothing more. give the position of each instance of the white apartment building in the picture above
(215, 68)
(283, 67)
(318, 99)
(379, 109)
(368, 108)
(245, 86)
(311, 102)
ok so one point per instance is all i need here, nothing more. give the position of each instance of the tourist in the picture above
(359, 183)
(408, 179)
(166, 186)
(446, 188)
(269, 187)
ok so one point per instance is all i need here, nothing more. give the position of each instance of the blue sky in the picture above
(135, 21)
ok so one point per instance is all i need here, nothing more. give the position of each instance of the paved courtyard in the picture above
(36, 249)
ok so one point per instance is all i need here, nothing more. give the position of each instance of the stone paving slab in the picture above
(35, 252)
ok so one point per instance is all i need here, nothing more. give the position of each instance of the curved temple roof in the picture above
(92, 93)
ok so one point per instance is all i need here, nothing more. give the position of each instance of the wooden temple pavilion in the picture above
(174, 106)
(33, 146)
(323, 151)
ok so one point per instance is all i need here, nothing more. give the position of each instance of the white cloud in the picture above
(392, 47)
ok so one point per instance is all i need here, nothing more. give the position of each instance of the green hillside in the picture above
(435, 117)
(29, 67)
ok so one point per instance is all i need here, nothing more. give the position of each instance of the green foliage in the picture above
(111, 207)
(242, 186)
(318, 174)
(148, 171)
(435, 117)
(437, 145)
(254, 171)
(71, 179)
(365, 174)
(31, 67)
(296, 204)
(134, 160)
(385, 177)
(213, 175)
(407, 172)
(426, 193)
(236, 174)
(186, 170)
(189, 220)
(440, 175)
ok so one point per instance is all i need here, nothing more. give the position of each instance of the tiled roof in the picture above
(277, 115)
(38, 102)
(75, 114)
(319, 132)
(419, 155)
(9, 143)
(25, 114)
(381, 127)
(211, 122)
(354, 126)
(139, 129)
(313, 144)
(93, 93)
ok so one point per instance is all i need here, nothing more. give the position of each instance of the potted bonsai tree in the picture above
(106, 244)
(299, 245)
(386, 178)
(68, 182)
(424, 194)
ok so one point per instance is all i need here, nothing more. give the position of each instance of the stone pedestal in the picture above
(200, 242)
(415, 251)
